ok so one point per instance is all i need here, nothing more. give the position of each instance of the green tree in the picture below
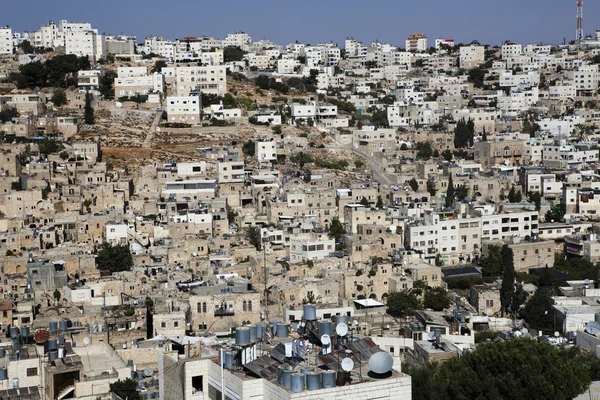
(555, 214)
(114, 258)
(414, 185)
(49, 146)
(514, 196)
(476, 76)
(379, 202)
(365, 202)
(536, 198)
(106, 85)
(7, 114)
(379, 119)
(233, 53)
(56, 295)
(26, 47)
(491, 264)
(538, 311)
(464, 133)
(447, 154)
(528, 370)
(59, 98)
(126, 389)
(403, 303)
(507, 292)
(336, 230)
(431, 187)
(249, 148)
(461, 192)
(64, 155)
(158, 66)
(436, 299)
(88, 115)
(424, 150)
(254, 236)
(450, 193)
(484, 136)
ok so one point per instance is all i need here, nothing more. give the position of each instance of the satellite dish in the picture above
(325, 340)
(148, 372)
(347, 364)
(381, 363)
(341, 329)
(86, 340)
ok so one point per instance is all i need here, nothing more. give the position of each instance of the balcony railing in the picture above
(221, 312)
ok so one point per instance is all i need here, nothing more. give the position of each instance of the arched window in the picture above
(244, 307)
(249, 305)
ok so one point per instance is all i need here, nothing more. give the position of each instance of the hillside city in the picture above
(183, 219)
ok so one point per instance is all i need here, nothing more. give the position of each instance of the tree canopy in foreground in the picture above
(513, 369)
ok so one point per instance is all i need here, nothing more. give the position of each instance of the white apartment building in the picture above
(537, 48)
(287, 66)
(312, 110)
(130, 72)
(193, 189)
(48, 36)
(88, 80)
(440, 41)
(586, 78)
(507, 78)
(511, 50)
(231, 171)
(310, 247)
(184, 109)
(462, 237)
(265, 150)
(160, 46)
(115, 234)
(518, 100)
(82, 40)
(218, 111)
(6, 40)
(416, 42)
(559, 155)
(546, 184)
(188, 169)
(139, 85)
(240, 39)
(208, 79)
(471, 56)
(562, 91)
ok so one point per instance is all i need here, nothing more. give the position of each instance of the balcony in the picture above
(224, 312)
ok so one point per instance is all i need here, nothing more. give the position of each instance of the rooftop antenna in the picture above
(579, 23)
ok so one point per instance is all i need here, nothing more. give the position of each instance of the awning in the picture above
(369, 303)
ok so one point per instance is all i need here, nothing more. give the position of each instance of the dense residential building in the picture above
(175, 206)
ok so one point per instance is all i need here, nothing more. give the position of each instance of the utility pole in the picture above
(104, 315)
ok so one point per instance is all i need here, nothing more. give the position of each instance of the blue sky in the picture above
(312, 21)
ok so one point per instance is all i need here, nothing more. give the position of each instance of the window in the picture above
(198, 383)
(163, 324)
(489, 303)
(32, 371)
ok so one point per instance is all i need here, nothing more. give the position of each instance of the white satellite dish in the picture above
(325, 340)
(381, 363)
(86, 340)
(347, 364)
(341, 329)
